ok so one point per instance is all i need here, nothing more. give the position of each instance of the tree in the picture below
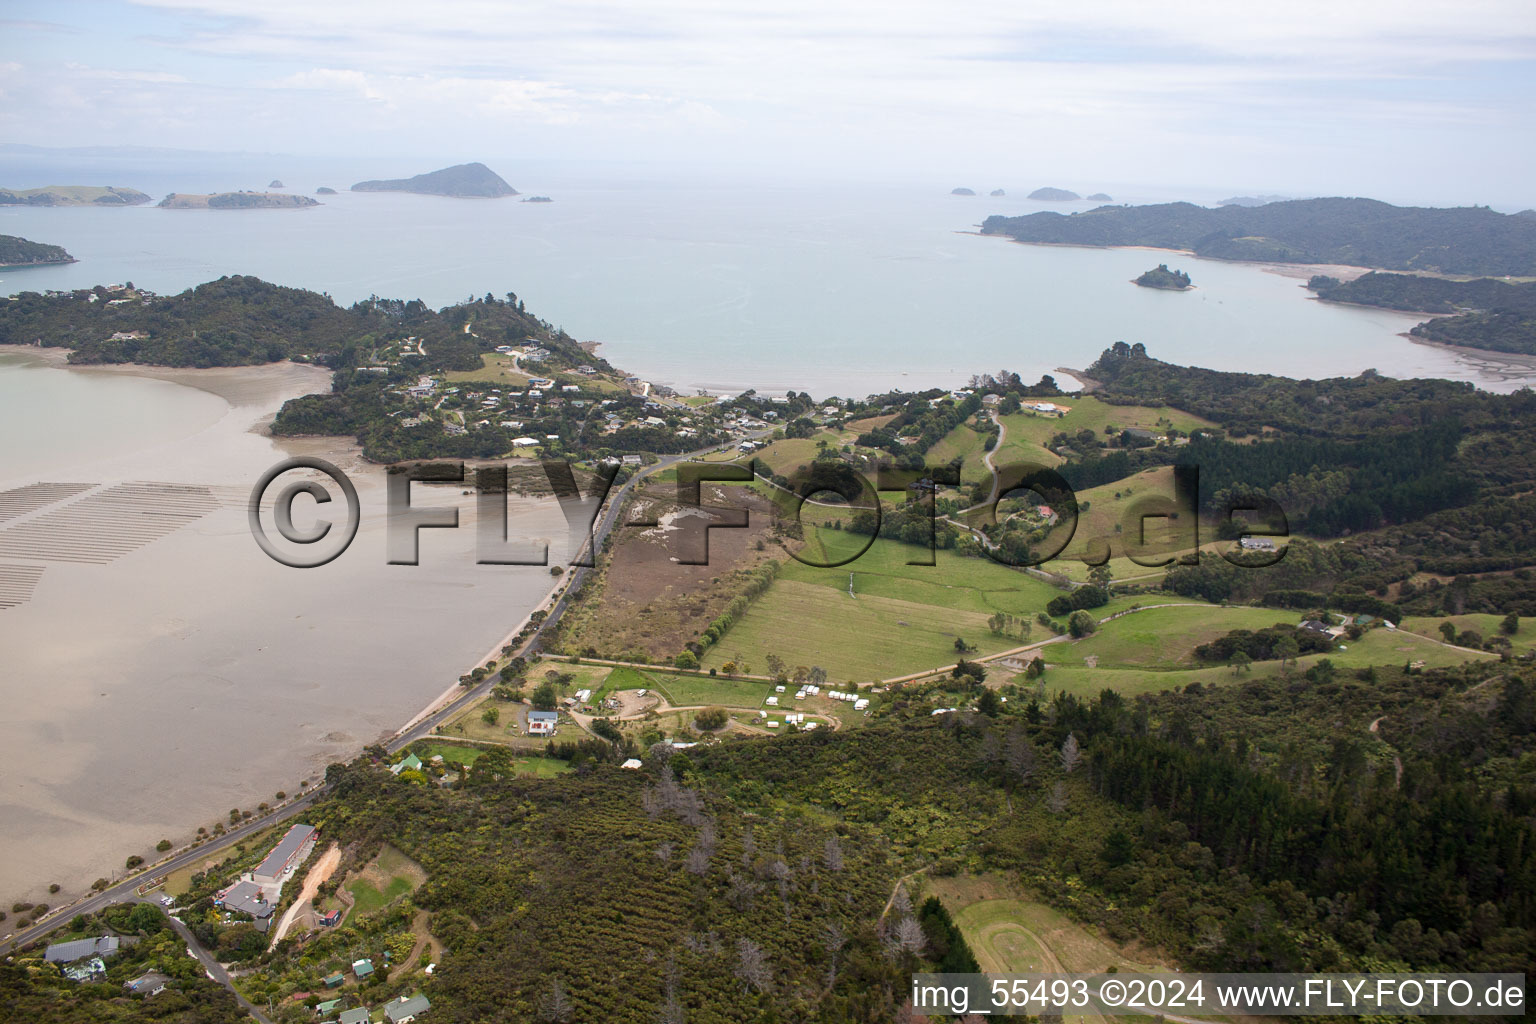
(988, 703)
(711, 718)
(490, 716)
(1511, 624)
(1286, 649)
(752, 966)
(1082, 623)
(545, 695)
(686, 659)
(1448, 630)
(556, 1006)
(961, 647)
(1019, 754)
(160, 847)
(1241, 662)
(1071, 757)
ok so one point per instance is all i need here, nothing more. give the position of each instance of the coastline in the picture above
(1343, 271)
(1487, 360)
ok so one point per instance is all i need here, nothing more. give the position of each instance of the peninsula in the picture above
(20, 252)
(234, 201)
(470, 181)
(73, 195)
(1359, 232)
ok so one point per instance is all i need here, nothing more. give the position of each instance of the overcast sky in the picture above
(1409, 100)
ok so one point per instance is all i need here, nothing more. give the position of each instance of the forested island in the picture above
(20, 252)
(1499, 316)
(1161, 277)
(1054, 195)
(1358, 232)
(73, 195)
(962, 191)
(235, 201)
(324, 190)
(475, 181)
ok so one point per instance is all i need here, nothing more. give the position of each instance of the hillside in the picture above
(19, 252)
(234, 201)
(72, 195)
(1496, 315)
(462, 180)
(1359, 232)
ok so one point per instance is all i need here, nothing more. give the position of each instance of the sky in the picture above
(1405, 100)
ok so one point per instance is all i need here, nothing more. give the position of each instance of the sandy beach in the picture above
(173, 675)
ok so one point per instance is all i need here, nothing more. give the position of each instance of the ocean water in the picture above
(835, 288)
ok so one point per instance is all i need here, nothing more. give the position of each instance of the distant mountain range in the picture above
(72, 195)
(462, 180)
(1252, 200)
(19, 252)
(1359, 232)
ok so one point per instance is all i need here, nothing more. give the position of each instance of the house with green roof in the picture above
(358, 1015)
(336, 980)
(328, 1007)
(362, 968)
(410, 763)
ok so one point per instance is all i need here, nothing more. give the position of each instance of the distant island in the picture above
(73, 195)
(20, 252)
(1161, 277)
(1252, 200)
(998, 193)
(1358, 232)
(538, 199)
(325, 191)
(1495, 315)
(1101, 197)
(234, 201)
(962, 192)
(275, 183)
(1054, 195)
(462, 180)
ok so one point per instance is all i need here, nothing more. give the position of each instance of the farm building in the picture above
(542, 723)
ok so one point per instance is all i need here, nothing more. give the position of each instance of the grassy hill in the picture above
(72, 195)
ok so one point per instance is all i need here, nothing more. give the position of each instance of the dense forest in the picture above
(1358, 232)
(1413, 476)
(1494, 315)
(21, 252)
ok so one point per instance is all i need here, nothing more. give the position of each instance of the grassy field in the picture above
(1088, 413)
(1067, 672)
(390, 876)
(1167, 637)
(859, 639)
(1010, 935)
(1487, 625)
(964, 443)
(953, 581)
(494, 369)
